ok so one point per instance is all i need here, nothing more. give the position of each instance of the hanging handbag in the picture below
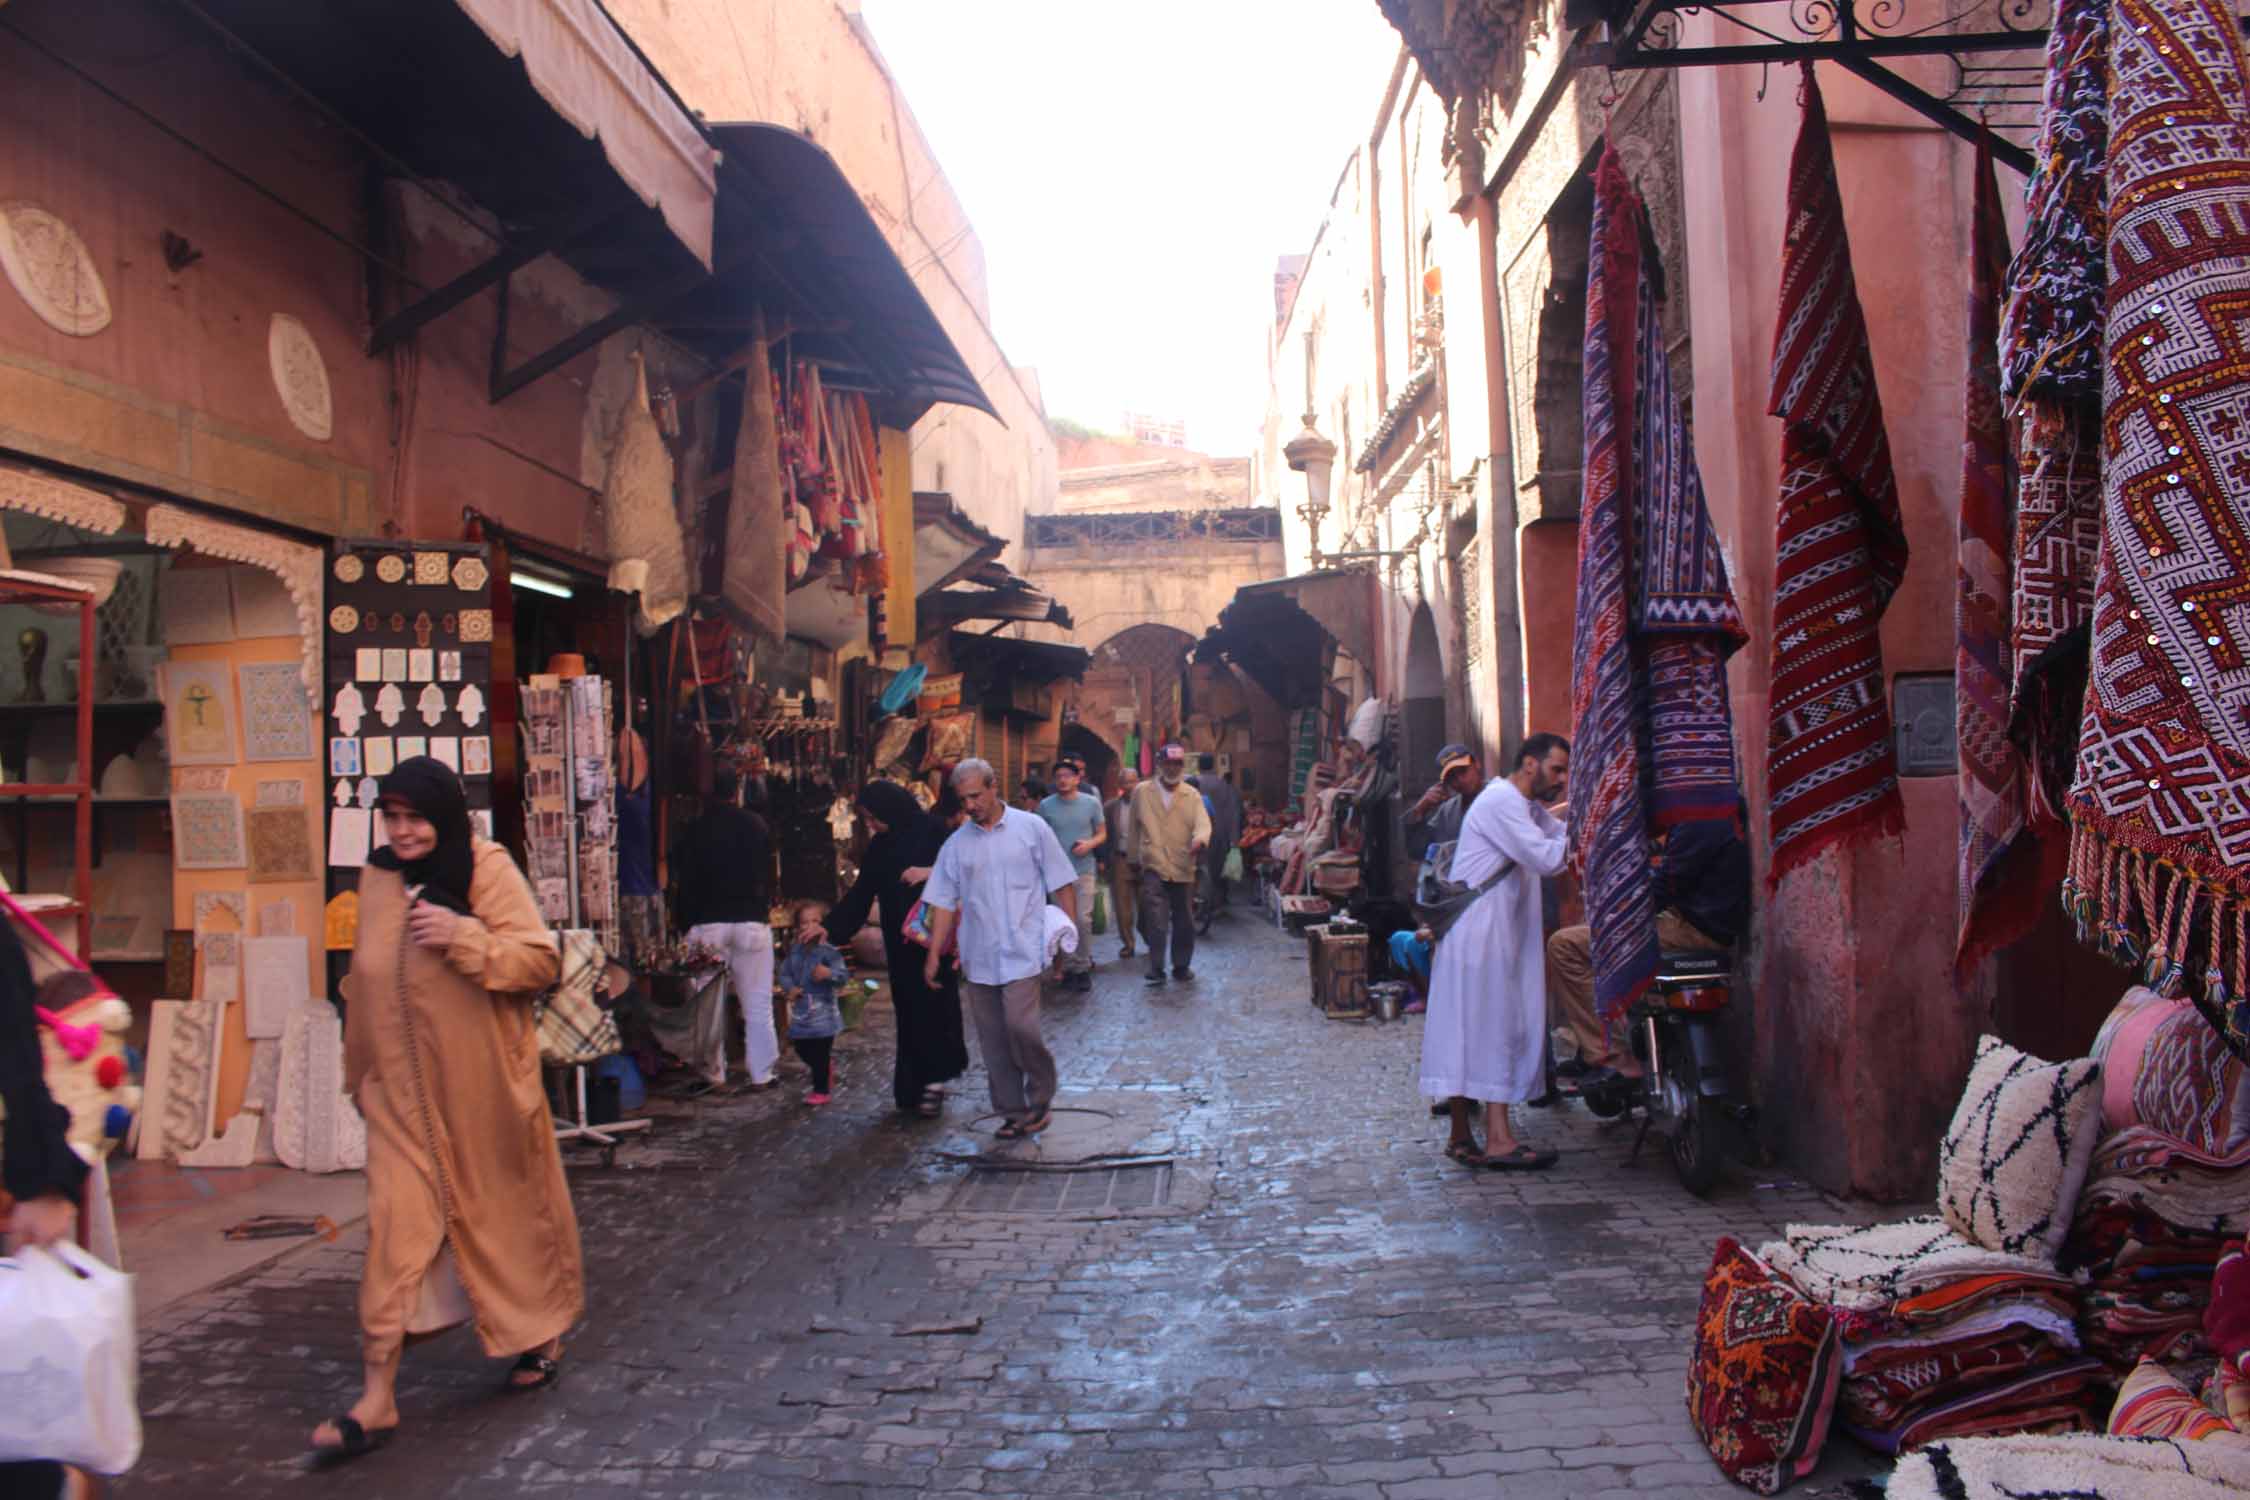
(916, 928)
(1439, 898)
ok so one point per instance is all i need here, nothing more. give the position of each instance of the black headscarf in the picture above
(892, 803)
(429, 786)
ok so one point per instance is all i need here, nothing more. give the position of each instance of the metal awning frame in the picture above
(1856, 37)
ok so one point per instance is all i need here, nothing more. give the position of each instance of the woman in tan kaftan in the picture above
(465, 1187)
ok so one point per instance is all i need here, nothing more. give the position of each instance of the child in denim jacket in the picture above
(808, 980)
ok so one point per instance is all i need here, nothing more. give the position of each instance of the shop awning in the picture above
(948, 546)
(1030, 661)
(1343, 601)
(794, 237)
(993, 593)
(540, 111)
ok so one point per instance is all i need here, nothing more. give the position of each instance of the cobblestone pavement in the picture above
(1326, 1306)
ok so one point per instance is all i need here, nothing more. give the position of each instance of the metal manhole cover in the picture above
(1012, 1190)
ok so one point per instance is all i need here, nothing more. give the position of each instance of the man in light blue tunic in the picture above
(994, 880)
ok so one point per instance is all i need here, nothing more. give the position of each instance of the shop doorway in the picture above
(1091, 748)
(1422, 720)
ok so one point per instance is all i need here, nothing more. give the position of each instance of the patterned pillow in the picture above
(2015, 1156)
(2167, 1068)
(2152, 1404)
(1762, 1381)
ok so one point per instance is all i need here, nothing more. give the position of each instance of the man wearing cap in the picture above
(1081, 829)
(1431, 823)
(1171, 829)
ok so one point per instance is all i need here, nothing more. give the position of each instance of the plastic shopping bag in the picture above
(68, 1361)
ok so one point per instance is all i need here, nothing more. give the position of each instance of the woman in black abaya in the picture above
(931, 1049)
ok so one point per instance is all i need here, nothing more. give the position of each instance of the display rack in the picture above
(30, 588)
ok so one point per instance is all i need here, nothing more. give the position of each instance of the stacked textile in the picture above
(1996, 1352)
(1942, 1337)
(2150, 1230)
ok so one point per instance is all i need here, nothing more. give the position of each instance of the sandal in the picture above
(1466, 1153)
(357, 1442)
(545, 1366)
(1522, 1158)
(1009, 1131)
(1031, 1127)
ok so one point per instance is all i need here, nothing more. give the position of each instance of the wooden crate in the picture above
(1339, 971)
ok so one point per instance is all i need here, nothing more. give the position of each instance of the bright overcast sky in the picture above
(1133, 172)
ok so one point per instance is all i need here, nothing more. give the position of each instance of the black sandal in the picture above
(357, 1442)
(1009, 1131)
(545, 1366)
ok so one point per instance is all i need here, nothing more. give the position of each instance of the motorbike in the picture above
(1684, 1091)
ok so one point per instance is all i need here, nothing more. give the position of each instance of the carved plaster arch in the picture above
(297, 565)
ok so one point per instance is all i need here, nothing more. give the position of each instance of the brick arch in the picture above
(1153, 644)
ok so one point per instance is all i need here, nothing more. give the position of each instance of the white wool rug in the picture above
(2079, 1468)
(1869, 1268)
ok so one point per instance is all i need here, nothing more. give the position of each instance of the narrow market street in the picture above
(795, 1303)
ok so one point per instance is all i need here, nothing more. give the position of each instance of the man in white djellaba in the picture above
(1486, 1033)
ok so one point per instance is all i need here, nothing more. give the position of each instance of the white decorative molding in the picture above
(299, 567)
(300, 376)
(56, 500)
(49, 266)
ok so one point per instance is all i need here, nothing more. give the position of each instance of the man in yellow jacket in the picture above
(1171, 829)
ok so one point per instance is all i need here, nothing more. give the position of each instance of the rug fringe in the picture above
(1884, 819)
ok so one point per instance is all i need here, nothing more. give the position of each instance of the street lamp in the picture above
(1315, 457)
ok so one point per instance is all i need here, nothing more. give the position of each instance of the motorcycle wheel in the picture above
(1695, 1148)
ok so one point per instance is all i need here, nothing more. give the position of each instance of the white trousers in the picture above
(748, 950)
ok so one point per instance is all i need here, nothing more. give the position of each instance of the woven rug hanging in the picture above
(1840, 550)
(2160, 807)
(2051, 377)
(2006, 870)
(1652, 734)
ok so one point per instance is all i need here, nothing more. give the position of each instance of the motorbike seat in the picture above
(1692, 963)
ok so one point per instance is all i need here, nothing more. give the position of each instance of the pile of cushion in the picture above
(1945, 1326)
(2170, 1182)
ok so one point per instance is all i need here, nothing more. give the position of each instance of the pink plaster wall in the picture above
(195, 341)
(1861, 1043)
(1547, 553)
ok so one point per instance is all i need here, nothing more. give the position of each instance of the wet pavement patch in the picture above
(1068, 1191)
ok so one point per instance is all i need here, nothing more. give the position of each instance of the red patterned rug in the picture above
(1831, 769)
(2160, 807)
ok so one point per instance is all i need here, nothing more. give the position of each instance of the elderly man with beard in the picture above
(1486, 1035)
(1171, 829)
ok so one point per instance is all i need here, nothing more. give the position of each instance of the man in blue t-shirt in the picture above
(1076, 817)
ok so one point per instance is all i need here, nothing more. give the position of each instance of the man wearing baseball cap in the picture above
(1432, 822)
(1171, 829)
(1080, 828)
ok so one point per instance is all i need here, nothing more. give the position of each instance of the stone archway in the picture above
(1134, 679)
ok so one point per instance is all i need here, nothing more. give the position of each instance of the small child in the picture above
(808, 980)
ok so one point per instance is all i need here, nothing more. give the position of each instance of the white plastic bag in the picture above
(68, 1361)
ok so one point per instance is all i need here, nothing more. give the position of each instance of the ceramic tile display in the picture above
(273, 983)
(281, 846)
(276, 712)
(207, 831)
(406, 610)
(199, 712)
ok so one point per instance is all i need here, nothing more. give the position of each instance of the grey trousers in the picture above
(1165, 904)
(1006, 1017)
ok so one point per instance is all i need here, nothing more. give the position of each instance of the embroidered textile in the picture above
(2160, 805)
(2051, 331)
(1870, 1267)
(2050, 369)
(1762, 1380)
(1999, 897)
(1840, 552)
(1652, 734)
